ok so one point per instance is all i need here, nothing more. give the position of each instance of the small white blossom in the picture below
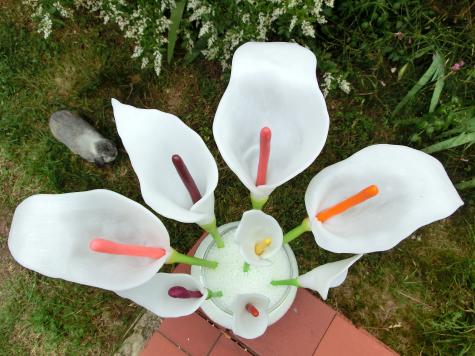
(146, 24)
(188, 41)
(307, 29)
(170, 4)
(329, 79)
(205, 29)
(276, 13)
(344, 86)
(157, 62)
(144, 62)
(163, 24)
(327, 82)
(293, 3)
(211, 41)
(199, 13)
(211, 53)
(262, 27)
(137, 51)
(66, 13)
(293, 22)
(45, 23)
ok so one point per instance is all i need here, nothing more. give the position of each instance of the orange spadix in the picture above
(115, 248)
(358, 198)
(252, 310)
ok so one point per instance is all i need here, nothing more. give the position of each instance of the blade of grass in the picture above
(199, 46)
(426, 77)
(176, 15)
(439, 85)
(461, 139)
(401, 72)
(468, 184)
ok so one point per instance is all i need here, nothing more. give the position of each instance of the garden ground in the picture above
(417, 298)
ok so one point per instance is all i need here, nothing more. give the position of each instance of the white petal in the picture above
(151, 137)
(245, 324)
(50, 234)
(273, 85)
(153, 295)
(414, 190)
(327, 276)
(254, 227)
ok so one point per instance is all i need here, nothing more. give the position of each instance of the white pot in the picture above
(219, 312)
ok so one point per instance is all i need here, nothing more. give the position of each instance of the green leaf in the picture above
(199, 46)
(439, 85)
(426, 77)
(461, 139)
(401, 72)
(176, 15)
(468, 184)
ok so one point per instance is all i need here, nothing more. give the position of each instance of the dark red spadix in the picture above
(183, 293)
(264, 154)
(186, 178)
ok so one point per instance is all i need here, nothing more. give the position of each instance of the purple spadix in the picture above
(183, 293)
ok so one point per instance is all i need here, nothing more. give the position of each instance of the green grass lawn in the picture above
(418, 298)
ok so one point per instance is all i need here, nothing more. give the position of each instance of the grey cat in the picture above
(81, 138)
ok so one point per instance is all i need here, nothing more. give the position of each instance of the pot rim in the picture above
(222, 315)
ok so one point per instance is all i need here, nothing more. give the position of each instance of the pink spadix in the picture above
(264, 154)
(183, 293)
(186, 178)
(115, 248)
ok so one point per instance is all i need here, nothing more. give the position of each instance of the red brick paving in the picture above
(303, 327)
(310, 327)
(228, 347)
(159, 345)
(193, 333)
(343, 338)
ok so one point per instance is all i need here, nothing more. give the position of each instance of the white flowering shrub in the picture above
(212, 28)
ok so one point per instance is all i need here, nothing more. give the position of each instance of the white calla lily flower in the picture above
(154, 295)
(413, 190)
(272, 85)
(151, 137)
(250, 316)
(259, 236)
(51, 234)
(327, 276)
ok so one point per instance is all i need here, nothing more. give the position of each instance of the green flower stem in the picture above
(177, 257)
(246, 266)
(212, 229)
(212, 294)
(257, 203)
(286, 282)
(297, 231)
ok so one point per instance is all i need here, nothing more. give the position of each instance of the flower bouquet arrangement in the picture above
(270, 125)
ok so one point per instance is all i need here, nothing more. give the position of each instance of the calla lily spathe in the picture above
(255, 227)
(153, 295)
(151, 137)
(327, 276)
(246, 325)
(50, 234)
(272, 85)
(414, 190)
